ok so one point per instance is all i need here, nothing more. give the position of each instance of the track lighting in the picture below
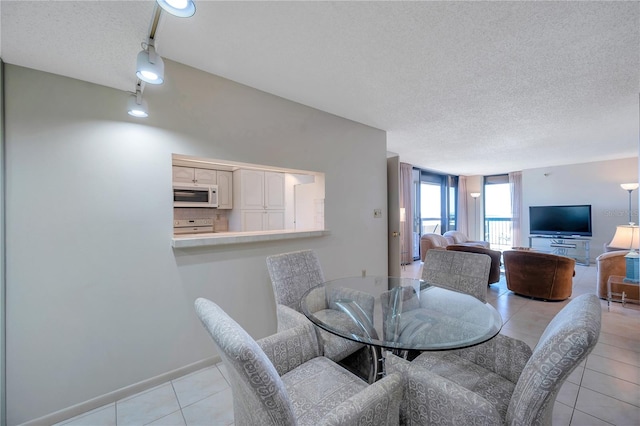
(136, 106)
(149, 65)
(179, 8)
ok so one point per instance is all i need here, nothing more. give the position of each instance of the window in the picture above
(497, 212)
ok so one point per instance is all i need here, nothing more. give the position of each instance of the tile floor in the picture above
(604, 390)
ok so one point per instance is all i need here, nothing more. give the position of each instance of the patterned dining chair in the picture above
(502, 381)
(457, 270)
(283, 380)
(292, 275)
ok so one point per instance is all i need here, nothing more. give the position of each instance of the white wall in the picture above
(96, 298)
(596, 183)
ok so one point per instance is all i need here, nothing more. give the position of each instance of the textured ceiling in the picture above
(460, 87)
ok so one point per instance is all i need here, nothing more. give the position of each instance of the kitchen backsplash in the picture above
(220, 218)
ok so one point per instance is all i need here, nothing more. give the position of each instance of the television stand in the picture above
(576, 247)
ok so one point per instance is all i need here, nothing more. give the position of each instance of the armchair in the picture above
(457, 237)
(431, 241)
(540, 275)
(292, 275)
(283, 380)
(502, 381)
(613, 263)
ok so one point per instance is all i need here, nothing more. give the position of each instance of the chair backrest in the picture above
(567, 340)
(292, 274)
(259, 395)
(495, 255)
(607, 264)
(537, 274)
(455, 237)
(457, 270)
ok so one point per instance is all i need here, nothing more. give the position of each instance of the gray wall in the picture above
(596, 183)
(96, 298)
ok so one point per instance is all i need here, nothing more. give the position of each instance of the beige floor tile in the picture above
(617, 354)
(148, 406)
(173, 419)
(568, 394)
(561, 415)
(614, 368)
(576, 376)
(616, 388)
(199, 385)
(627, 342)
(607, 409)
(214, 410)
(583, 419)
(223, 370)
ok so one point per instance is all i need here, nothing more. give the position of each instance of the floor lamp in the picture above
(475, 196)
(403, 219)
(629, 187)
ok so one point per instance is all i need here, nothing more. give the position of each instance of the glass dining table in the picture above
(403, 315)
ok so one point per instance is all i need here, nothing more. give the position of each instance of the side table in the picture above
(627, 291)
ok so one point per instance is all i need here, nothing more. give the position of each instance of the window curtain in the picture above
(406, 228)
(462, 213)
(515, 186)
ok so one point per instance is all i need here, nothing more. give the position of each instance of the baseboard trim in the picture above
(102, 400)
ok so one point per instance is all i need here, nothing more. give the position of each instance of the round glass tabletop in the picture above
(400, 313)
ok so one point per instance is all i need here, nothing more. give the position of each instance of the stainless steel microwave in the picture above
(185, 195)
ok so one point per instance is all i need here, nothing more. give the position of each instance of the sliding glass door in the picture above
(435, 208)
(498, 229)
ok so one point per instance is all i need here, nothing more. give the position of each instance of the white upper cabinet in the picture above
(258, 190)
(194, 176)
(273, 191)
(225, 189)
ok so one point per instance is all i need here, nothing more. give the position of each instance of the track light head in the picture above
(136, 106)
(179, 8)
(150, 66)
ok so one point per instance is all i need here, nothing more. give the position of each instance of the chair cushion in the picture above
(492, 387)
(318, 386)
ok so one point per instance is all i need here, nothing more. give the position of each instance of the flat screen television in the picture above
(560, 220)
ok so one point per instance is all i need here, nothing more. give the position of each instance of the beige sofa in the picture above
(457, 237)
(436, 241)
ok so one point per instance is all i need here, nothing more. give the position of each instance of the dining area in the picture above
(379, 350)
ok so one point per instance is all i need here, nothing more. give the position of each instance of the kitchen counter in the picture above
(224, 238)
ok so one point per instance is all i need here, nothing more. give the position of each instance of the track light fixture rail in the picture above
(149, 65)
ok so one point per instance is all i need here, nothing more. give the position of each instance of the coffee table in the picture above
(400, 315)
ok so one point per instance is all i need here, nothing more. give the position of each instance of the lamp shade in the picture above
(629, 186)
(626, 237)
(179, 8)
(474, 194)
(150, 66)
(137, 107)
